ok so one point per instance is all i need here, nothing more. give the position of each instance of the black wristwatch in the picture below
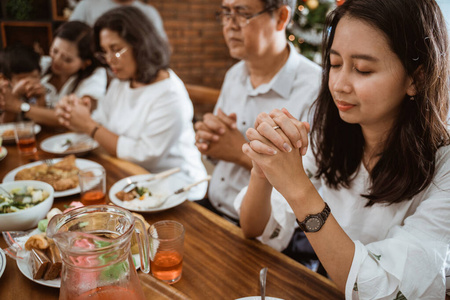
(314, 223)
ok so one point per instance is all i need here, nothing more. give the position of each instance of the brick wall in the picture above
(200, 55)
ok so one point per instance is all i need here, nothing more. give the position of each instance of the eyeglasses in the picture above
(103, 56)
(241, 19)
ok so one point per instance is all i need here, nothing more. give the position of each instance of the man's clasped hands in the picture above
(278, 132)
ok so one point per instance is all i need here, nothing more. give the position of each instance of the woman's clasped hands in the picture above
(72, 112)
(277, 142)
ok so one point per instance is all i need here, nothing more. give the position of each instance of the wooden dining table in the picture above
(219, 262)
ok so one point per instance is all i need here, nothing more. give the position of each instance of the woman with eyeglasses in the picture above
(71, 68)
(146, 115)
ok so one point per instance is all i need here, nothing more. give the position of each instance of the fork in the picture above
(68, 144)
(7, 193)
(132, 185)
(183, 189)
(48, 162)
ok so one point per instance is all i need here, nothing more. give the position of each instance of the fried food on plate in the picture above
(62, 175)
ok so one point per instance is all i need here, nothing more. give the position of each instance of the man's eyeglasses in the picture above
(103, 56)
(241, 19)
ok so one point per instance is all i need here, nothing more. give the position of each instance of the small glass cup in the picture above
(25, 137)
(92, 185)
(166, 240)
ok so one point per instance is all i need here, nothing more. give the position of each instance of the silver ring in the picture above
(276, 127)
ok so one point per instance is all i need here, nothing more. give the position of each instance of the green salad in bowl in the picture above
(24, 203)
(21, 198)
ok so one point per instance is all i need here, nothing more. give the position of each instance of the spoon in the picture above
(262, 282)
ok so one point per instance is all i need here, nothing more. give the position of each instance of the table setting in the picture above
(217, 260)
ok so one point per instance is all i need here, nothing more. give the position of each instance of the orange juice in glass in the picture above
(166, 240)
(92, 185)
(25, 137)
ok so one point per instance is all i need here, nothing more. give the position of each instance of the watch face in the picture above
(24, 107)
(313, 224)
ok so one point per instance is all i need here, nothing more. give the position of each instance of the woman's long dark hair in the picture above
(417, 34)
(81, 35)
(150, 50)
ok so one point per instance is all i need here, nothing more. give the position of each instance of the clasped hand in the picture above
(28, 88)
(73, 113)
(11, 96)
(218, 137)
(277, 142)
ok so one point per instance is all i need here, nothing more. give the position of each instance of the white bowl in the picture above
(26, 218)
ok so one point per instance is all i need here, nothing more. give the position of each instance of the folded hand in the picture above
(73, 113)
(212, 127)
(276, 145)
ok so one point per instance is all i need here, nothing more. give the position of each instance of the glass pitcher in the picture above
(95, 242)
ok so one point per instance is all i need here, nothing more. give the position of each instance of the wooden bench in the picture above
(203, 98)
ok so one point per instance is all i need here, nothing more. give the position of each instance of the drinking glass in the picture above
(25, 137)
(92, 185)
(166, 240)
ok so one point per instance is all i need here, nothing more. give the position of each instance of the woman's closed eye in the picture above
(362, 71)
(334, 66)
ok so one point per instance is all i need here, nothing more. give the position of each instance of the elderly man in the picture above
(88, 11)
(271, 74)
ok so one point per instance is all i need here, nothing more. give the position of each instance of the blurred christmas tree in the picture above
(305, 30)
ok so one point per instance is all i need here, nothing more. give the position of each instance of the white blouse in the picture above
(154, 124)
(93, 86)
(400, 249)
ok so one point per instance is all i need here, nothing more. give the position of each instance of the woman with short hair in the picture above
(146, 115)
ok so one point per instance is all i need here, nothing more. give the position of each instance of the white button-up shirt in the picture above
(294, 87)
(400, 249)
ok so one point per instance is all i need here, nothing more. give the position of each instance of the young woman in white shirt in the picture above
(146, 116)
(71, 68)
(380, 156)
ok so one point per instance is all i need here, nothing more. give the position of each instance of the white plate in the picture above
(81, 164)
(10, 126)
(55, 143)
(258, 298)
(56, 283)
(163, 186)
(2, 262)
(3, 153)
(26, 270)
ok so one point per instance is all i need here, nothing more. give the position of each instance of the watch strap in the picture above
(322, 216)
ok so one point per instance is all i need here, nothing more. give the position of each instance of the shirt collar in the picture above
(282, 82)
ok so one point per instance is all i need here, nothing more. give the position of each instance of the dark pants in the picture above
(301, 250)
(207, 204)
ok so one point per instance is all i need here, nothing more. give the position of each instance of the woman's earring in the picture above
(411, 98)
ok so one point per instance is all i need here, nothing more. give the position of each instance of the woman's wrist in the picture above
(94, 131)
(304, 199)
(92, 128)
